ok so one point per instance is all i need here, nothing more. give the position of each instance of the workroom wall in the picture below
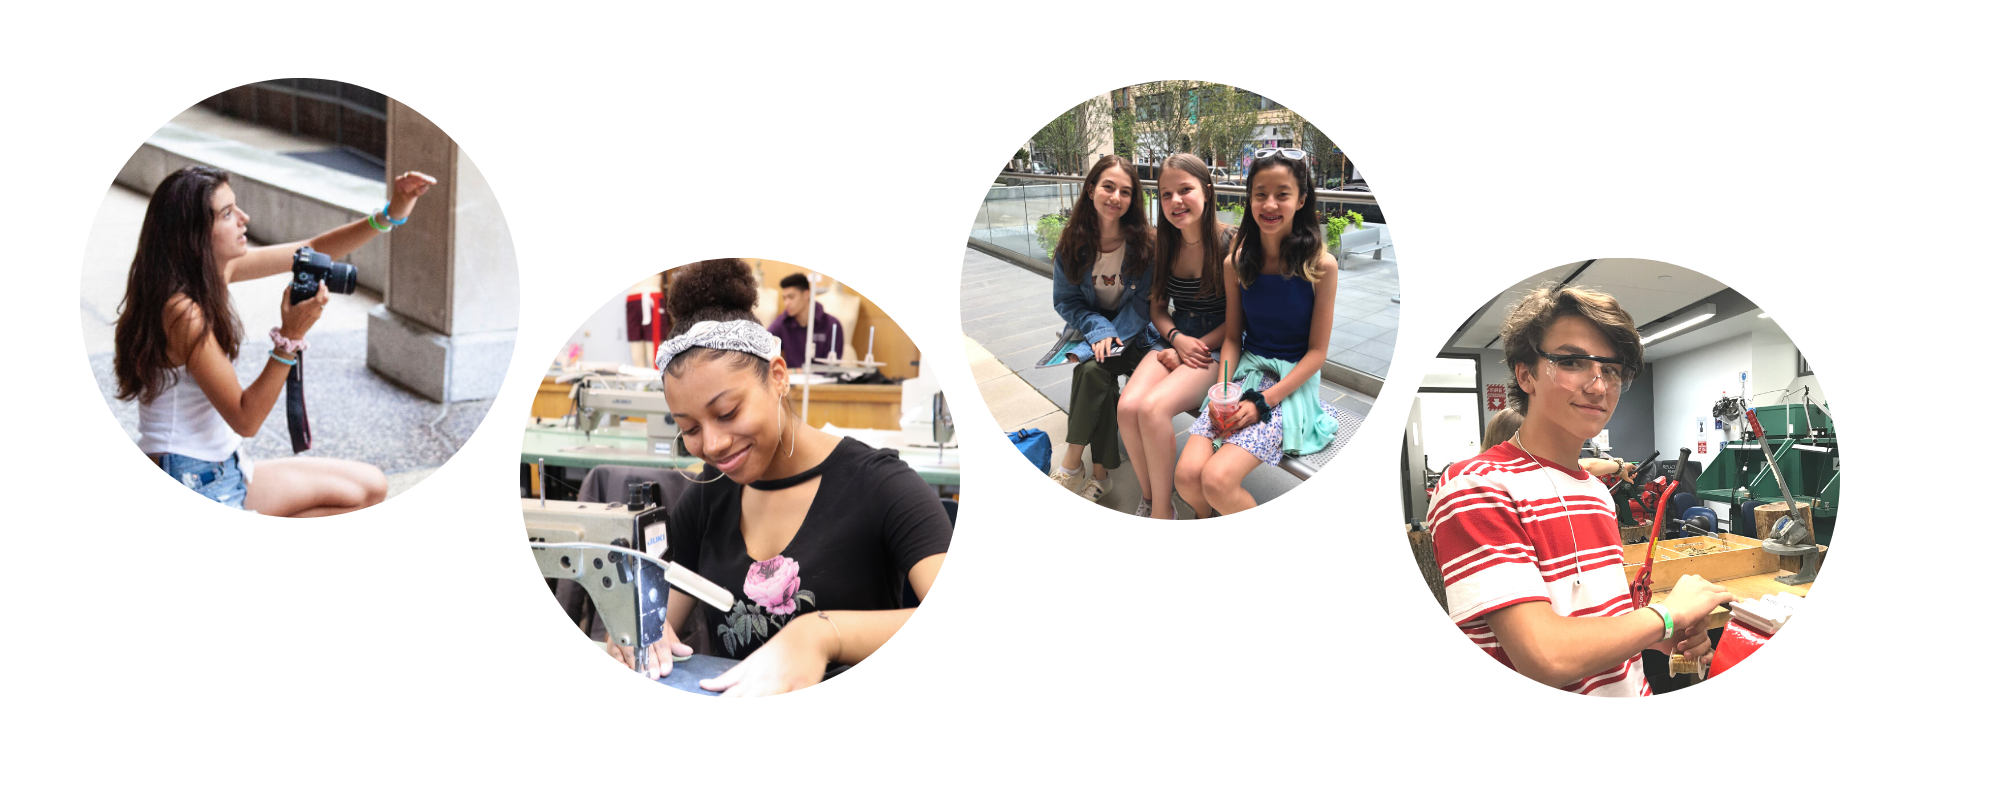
(1492, 370)
(1774, 368)
(1685, 388)
(1631, 427)
(602, 335)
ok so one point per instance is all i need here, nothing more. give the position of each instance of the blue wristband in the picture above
(282, 360)
(392, 220)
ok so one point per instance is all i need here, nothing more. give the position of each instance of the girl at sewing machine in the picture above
(816, 533)
(1103, 288)
(1280, 284)
(178, 338)
(1188, 272)
(1527, 540)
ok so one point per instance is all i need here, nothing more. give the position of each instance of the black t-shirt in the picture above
(871, 520)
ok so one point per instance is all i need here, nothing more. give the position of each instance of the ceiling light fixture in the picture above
(1694, 316)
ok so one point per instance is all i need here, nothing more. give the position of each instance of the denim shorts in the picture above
(220, 481)
(1196, 325)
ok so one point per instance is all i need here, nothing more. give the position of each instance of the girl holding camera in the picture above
(818, 531)
(1281, 283)
(178, 338)
(1188, 271)
(1103, 287)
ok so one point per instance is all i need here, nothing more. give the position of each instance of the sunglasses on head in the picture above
(1292, 153)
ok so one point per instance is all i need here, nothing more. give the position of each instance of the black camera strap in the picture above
(295, 406)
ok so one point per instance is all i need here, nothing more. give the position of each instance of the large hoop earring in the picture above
(681, 440)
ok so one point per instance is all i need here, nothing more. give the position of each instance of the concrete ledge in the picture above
(1010, 256)
(446, 369)
(287, 199)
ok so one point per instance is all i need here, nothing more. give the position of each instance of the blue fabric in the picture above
(1196, 325)
(1277, 317)
(218, 481)
(1131, 321)
(1034, 444)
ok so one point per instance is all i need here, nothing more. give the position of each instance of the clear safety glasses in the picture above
(1576, 371)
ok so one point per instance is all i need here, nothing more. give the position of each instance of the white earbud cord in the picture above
(789, 452)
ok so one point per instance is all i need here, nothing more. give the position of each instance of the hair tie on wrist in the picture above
(392, 220)
(289, 362)
(1256, 398)
(293, 346)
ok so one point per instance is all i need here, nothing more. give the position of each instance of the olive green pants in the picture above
(1093, 404)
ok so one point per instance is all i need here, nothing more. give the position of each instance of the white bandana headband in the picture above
(741, 335)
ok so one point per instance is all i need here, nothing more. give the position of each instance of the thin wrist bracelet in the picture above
(1666, 617)
(392, 220)
(840, 646)
(283, 360)
(377, 225)
(1171, 334)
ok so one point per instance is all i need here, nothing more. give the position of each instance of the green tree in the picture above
(1070, 141)
(1226, 118)
(1167, 114)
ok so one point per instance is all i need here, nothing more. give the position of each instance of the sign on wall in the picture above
(1496, 397)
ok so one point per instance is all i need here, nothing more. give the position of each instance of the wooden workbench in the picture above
(853, 405)
(875, 406)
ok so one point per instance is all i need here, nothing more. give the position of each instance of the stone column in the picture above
(445, 329)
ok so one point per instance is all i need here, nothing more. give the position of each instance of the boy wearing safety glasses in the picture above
(1527, 540)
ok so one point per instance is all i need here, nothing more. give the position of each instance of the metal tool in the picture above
(1642, 584)
(629, 588)
(1790, 535)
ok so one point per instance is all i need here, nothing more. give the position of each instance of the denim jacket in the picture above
(1131, 321)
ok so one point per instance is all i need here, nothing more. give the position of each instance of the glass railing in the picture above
(1023, 215)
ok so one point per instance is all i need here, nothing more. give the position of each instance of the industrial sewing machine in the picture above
(588, 543)
(600, 404)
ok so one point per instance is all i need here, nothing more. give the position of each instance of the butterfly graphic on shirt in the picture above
(1107, 280)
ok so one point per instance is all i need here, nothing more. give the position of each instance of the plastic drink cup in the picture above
(1222, 400)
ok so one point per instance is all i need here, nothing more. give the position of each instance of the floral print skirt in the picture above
(1265, 440)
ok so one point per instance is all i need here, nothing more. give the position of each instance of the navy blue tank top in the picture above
(1277, 317)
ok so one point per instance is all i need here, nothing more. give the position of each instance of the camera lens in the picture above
(340, 278)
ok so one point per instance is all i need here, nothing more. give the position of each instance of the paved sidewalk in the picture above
(1009, 321)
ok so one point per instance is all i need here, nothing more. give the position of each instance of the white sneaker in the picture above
(1145, 508)
(1093, 490)
(1068, 482)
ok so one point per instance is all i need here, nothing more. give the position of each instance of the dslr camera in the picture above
(310, 268)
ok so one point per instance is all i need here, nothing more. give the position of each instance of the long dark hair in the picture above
(1302, 248)
(175, 257)
(1169, 247)
(1077, 249)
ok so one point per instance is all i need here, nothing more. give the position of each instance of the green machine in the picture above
(1803, 443)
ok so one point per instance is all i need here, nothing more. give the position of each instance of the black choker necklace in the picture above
(809, 473)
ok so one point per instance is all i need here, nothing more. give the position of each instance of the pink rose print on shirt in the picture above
(773, 584)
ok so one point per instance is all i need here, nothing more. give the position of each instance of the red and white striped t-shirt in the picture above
(1503, 536)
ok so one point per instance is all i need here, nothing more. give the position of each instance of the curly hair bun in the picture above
(713, 289)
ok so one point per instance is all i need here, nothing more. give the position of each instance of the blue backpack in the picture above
(1034, 444)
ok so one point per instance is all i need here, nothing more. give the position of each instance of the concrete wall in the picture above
(287, 199)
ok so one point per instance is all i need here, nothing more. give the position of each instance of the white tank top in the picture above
(182, 421)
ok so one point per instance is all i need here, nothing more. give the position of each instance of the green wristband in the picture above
(1666, 617)
(377, 225)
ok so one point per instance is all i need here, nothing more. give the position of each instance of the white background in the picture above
(1835, 164)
